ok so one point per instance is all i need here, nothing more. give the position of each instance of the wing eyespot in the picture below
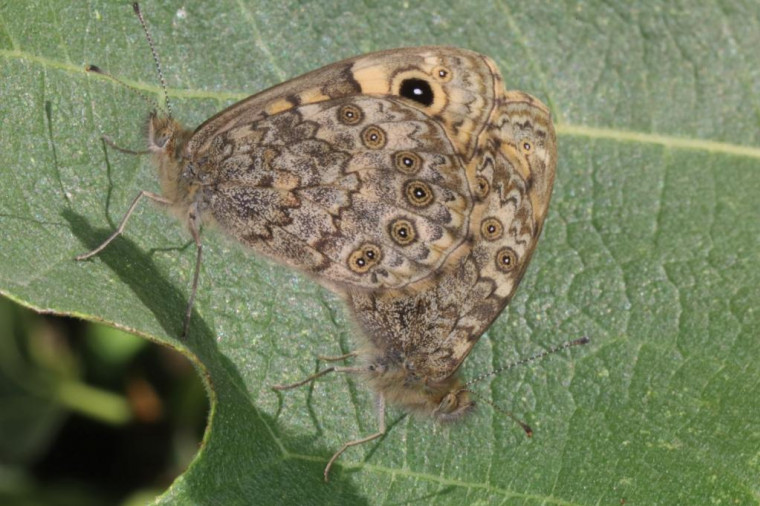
(418, 193)
(407, 162)
(402, 232)
(364, 258)
(374, 137)
(443, 74)
(350, 114)
(491, 229)
(506, 259)
(418, 90)
(482, 187)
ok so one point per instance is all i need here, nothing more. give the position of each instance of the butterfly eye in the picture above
(419, 194)
(407, 162)
(527, 147)
(160, 136)
(506, 259)
(373, 137)
(402, 232)
(364, 257)
(418, 90)
(481, 187)
(442, 74)
(161, 139)
(350, 115)
(491, 229)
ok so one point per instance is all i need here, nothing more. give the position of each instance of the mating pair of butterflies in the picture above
(409, 181)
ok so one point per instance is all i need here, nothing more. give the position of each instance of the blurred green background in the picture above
(90, 414)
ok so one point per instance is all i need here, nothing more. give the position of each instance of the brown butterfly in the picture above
(354, 173)
(409, 181)
(416, 338)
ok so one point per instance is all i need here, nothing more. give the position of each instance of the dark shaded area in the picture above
(241, 456)
(76, 459)
(137, 270)
(115, 461)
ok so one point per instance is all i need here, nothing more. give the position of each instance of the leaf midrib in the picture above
(563, 129)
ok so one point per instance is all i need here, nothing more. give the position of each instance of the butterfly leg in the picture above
(152, 196)
(115, 146)
(327, 358)
(380, 411)
(319, 375)
(194, 222)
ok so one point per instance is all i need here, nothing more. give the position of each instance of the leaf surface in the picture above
(651, 248)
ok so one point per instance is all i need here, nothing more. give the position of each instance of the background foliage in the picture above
(652, 247)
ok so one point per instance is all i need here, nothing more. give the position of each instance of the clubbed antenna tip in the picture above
(524, 426)
(97, 70)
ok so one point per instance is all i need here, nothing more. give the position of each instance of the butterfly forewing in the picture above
(360, 190)
(357, 172)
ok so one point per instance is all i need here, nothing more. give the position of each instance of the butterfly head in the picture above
(164, 132)
(167, 140)
(445, 400)
(454, 405)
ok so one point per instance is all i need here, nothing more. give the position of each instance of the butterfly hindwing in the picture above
(436, 327)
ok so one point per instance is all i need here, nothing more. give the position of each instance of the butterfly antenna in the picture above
(537, 356)
(156, 59)
(523, 425)
(97, 70)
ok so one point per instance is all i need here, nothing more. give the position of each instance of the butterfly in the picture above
(415, 337)
(354, 173)
(408, 181)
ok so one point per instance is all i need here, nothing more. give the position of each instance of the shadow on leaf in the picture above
(244, 456)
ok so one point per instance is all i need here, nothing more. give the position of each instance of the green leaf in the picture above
(652, 248)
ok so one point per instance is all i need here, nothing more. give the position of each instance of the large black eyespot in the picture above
(402, 232)
(418, 90)
(419, 194)
(506, 259)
